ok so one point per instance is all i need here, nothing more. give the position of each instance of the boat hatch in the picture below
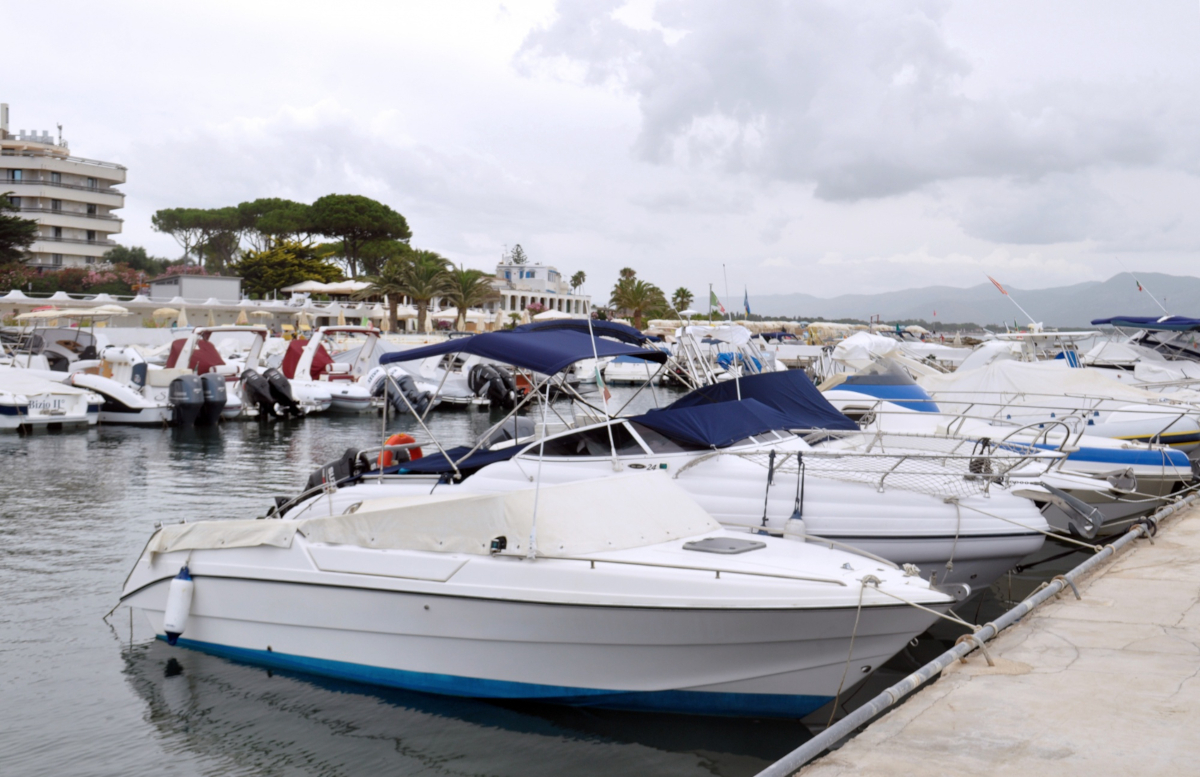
(723, 545)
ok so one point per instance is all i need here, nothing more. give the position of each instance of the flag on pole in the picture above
(746, 299)
(714, 301)
(600, 380)
(996, 283)
(1139, 284)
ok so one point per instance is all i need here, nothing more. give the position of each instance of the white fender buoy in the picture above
(794, 529)
(179, 604)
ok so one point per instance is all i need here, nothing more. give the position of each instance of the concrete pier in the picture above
(1109, 685)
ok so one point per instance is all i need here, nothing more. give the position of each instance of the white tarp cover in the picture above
(572, 519)
(858, 349)
(1107, 352)
(1047, 384)
(207, 535)
(734, 334)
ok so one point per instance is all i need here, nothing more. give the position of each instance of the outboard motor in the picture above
(350, 465)
(495, 383)
(186, 396)
(374, 381)
(281, 391)
(213, 386)
(419, 400)
(258, 393)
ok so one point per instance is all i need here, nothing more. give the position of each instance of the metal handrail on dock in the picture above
(848, 725)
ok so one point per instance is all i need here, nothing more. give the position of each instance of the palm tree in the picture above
(682, 299)
(392, 283)
(636, 297)
(468, 289)
(425, 278)
(578, 279)
(628, 273)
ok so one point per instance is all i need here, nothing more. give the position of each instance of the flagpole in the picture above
(728, 313)
(1005, 293)
(1143, 288)
(710, 296)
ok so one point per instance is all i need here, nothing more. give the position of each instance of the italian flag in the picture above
(714, 302)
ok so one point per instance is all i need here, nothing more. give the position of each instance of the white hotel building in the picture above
(521, 285)
(71, 199)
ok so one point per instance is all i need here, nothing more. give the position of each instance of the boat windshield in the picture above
(660, 443)
(591, 442)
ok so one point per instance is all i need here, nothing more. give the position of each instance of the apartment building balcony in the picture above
(52, 161)
(91, 195)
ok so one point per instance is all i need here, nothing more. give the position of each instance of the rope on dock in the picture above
(847, 726)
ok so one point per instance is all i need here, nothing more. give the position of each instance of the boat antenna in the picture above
(612, 446)
(1143, 288)
(1004, 291)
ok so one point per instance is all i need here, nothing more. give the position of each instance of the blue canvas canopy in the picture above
(622, 332)
(438, 464)
(544, 352)
(1168, 323)
(789, 393)
(714, 425)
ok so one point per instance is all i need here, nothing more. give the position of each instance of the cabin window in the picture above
(591, 442)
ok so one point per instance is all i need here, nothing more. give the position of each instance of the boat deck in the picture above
(1109, 685)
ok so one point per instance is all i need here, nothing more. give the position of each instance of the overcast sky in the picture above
(820, 147)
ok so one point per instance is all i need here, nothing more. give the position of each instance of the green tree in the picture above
(136, 258)
(636, 298)
(181, 224)
(356, 221)
(283, 264)
(16, 233)
(270, 219)
(682, 299)
(518, 255)
(578, 279)
(377, 253)
(468, 289)
(392, 284)
(220, 236)
(425, 278)
(627, 273)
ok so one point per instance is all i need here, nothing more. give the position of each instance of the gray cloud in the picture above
(862, 100)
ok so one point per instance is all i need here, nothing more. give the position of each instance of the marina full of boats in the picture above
(757, 544)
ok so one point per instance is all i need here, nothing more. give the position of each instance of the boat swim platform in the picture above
(1105, 685)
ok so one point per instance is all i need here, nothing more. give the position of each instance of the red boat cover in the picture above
(204, 356)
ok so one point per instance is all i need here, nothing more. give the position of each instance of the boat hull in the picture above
(767, 662)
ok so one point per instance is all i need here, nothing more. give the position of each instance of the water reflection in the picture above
(254, 721)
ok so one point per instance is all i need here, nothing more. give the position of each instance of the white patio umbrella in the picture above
(182, 320)
(242, 319)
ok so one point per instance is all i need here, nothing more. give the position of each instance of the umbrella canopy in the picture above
(551, 315)
(305, 286)
(341, 319)
(242, 319)
(525, 316)
(301, 318)
(262, 314)
(182, 321)
(501, 320)
(689, 312)
(212, 319)
(110, 310)
(166, 313)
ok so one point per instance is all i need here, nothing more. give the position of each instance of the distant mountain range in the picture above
(1063, 306)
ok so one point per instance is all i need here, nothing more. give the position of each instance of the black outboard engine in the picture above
(213, 386)
(419, 400)
(495, 383)
(281, 391)
(186, 396)
(350, 465)
(258, 392)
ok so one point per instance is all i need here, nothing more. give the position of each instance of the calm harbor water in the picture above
(84, 696)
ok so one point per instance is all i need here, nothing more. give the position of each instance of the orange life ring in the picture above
(385, 457)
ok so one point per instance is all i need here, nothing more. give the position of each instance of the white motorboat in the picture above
(29, 402)
(652, 606)
(729, 455)
(312, 370)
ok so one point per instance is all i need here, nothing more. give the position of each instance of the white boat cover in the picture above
(572, 519)
(858, 349)
(1051, 383)
(206, 535)
(734, 334)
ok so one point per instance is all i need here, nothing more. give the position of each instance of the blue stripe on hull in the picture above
(1130, 457)
(687, 702)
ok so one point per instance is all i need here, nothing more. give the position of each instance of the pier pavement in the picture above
(1109, 685)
